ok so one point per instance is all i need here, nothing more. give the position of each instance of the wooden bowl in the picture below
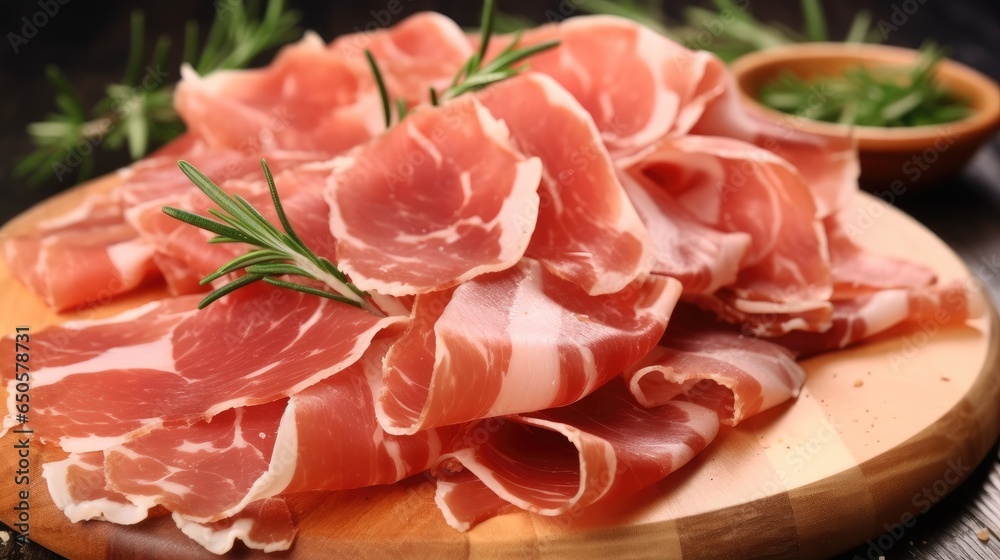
(896, 158)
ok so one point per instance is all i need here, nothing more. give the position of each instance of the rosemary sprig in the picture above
(279, 253)
(283, 253)
(138, 111)
(474, 75)
(888, 97)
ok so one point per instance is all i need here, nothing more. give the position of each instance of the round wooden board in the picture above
(879, 434)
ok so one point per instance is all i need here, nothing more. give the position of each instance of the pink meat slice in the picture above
(857, 271)
(157, 177)
(422, 51)
(82, 257)
(736, 187)
(186, 248)
(765, 318)
(926, 310)
(437, 200)
(516, 341)
(703, 258)
(265, 525)
(78, 488)
(310, 98)
(101, 383)
(322, 438)
(829, 165)
(565, 459)
(715, 366)
(638, 86)
(587, 230)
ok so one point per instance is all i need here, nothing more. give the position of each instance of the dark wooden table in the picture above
(87, 39)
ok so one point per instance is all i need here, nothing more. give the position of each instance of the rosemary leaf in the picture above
(229, 288)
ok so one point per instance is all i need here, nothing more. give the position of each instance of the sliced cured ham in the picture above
(82, 257)
(924, 310)
(735, 187)
(706, 363)
(704, 259)
(829, 165)
(322, 438)
(309, 98)
(516, 341)
(587, 230)
(561, 460)
(186, 249)
(857, 271)
(157, 177)
(78, 487)
(265, 525)
(100, 383)
(424, 50)
(438, 199)
(637, 85)
(764, 318)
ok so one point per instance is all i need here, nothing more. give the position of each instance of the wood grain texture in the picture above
(838, 466)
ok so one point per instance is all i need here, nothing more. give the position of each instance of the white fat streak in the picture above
(308, 324)
(628, 220)
(56, 477)
(156, 354)
(666, 104)
(128, 258)
(426, 144)
(885, 309)
(77, 215)
(192, 447)
(279, 473)
(128, 316)
(533, 379)
(220, 541)
(763, 307)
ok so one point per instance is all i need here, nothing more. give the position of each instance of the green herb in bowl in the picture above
(870, 96)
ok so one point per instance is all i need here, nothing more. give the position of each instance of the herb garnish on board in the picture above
(282, 253)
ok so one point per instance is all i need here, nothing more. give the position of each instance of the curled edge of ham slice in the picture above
(587, 230)
(737, 375)
(703, 259)
(265, 525)
(515, 341)
(735, 186)
(638, 85)
(324, 438)
(78, 487)
(433, 202)
(565, 459)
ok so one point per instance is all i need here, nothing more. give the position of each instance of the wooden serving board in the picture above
(879, 433)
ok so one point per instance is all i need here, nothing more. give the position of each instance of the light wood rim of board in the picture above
(807, 521)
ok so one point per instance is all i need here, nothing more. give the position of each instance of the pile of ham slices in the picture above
(584, 270)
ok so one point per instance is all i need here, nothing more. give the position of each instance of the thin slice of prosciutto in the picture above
(322, 438)
(828, 164)
(564, 459)
(437, 200)
(82, 257)
(703, 258)
(100, 383)
(78, 487)
(736, 187)
(310, 98)
(637, 85)
(857, 271)
(515, 341)
(587, 230)
(705, 362)
(422, 51)
(917, 311)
